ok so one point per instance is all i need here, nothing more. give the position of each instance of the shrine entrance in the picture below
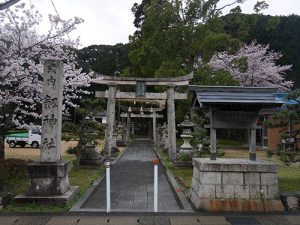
(151, 107)
(142, 127)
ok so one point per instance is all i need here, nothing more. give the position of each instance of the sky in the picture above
(111, 21)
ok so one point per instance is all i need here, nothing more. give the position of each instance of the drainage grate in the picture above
(242, 220)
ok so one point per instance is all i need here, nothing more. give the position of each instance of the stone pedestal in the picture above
(235, 185)
(186, 147)
(49, 183)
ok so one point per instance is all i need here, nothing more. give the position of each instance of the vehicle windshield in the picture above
(36, 131)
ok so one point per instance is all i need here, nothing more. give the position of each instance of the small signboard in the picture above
(140, 89)
(234, 119)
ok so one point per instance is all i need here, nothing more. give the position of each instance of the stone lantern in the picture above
(186, 126)
(114, 140)
(120, 129)
(165, 139)
(132, 128)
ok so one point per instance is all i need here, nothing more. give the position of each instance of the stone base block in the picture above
(50, 200)
(48, 179)
(235, 185)
(178, 163)
(239, 205)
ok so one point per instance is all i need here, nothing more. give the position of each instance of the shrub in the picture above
(13, 168)
(12, 173)
(72, 150)
(184, 157)
(269, 153)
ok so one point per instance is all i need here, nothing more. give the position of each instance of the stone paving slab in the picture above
(132, 184)
(32, 220)
(63, 220)
(92, 220)
(144, 220)
(184, 220)
(213, 220)
(154, 220)
(295, 220)
(118, 220)
(272, 220)
(8, 220)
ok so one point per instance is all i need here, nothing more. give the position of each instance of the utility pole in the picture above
(8, 4)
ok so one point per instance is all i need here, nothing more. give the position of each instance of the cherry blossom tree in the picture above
(254, 65)
(22, 51)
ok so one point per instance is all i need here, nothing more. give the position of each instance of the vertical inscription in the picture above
(52, 110)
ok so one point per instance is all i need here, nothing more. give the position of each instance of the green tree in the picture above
(207, 76)
(287, 119)
(171, 35)
(104, 59)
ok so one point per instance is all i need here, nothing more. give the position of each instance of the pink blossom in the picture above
(254, 65)
(22, 51)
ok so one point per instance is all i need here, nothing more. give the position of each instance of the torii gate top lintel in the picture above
(175, 81)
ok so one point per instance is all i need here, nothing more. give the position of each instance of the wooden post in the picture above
(171, 122)
(252, 145)
(213, 138)
(111, 104)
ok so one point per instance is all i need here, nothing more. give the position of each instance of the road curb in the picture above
(177, 189)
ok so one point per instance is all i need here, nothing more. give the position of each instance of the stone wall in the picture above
(235, 185)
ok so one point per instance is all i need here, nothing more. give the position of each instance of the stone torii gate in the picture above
(153, 116)
(169, 96)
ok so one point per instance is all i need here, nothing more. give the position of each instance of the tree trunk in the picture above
(2, 153)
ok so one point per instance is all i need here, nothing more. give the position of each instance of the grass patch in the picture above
(225, 143)
(82, 177)
(183, 175)
(289, 179)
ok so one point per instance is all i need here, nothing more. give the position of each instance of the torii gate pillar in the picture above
(111, 108)
(171, 121)
(154, 127)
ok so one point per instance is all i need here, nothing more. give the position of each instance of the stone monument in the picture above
(49, 182)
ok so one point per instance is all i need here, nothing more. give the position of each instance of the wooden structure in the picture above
(168, 97)
(234, 108)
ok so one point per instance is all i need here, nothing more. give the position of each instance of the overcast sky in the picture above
(111, 21)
